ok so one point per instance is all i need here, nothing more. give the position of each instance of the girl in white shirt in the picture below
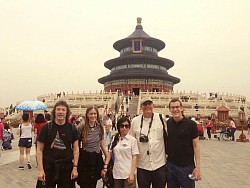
(25, 141)
(125, 150)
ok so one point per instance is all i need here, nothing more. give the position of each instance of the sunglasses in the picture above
(124, 126)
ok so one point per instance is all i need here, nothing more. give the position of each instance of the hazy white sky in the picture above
(48, 46)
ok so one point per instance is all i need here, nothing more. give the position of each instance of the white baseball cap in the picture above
(146, 99)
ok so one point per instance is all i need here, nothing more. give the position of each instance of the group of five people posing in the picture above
(66, 154)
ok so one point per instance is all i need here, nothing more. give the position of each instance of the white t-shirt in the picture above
(123, 152)
(26, 131)
(232, 124)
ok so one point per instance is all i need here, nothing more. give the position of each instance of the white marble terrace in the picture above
(207, 104)
(78, 102)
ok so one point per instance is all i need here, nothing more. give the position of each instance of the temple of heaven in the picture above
(139, 68)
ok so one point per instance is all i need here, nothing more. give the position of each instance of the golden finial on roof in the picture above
(139, 20)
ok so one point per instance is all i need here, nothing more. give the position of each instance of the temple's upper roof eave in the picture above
(139, 34)
(126, 42)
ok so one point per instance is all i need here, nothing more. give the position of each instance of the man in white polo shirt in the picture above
(148, 130)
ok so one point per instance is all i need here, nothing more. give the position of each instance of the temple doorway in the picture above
(155, 89)
(136, 91)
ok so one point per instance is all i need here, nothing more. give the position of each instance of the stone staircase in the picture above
(133, 104)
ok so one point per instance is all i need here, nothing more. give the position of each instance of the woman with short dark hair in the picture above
(125, 150)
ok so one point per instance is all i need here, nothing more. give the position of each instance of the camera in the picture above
(143, 138)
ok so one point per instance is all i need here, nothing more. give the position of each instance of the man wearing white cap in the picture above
(148, 129)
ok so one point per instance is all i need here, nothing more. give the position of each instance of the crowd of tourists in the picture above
(211, 128)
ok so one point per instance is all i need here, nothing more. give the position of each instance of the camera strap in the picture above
(150, 123)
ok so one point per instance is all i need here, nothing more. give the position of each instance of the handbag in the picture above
(41, 184)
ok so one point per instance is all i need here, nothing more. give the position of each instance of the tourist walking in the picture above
(122, 108)
(58, 150)
(113, 123)
(148, 130)
(209, 127)
(25, 141)
(47, 117)
(125, 150)
(1, 135)
(91, 140)
(182, 148)
(200, 131)
(39, 123)
(107, 123)
(232, 127)
(7, 136)
(248, 125)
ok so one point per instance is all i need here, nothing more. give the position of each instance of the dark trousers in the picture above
(177, 176)
(89, 169)
(209, 132)
(156, 177)
(232, 131)
(40, 184)
(89, 185)
(113, 126)
(63, 179)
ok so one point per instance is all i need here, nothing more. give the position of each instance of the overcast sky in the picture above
(49, 46)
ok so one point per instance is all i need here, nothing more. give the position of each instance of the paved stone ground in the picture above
(224, 164)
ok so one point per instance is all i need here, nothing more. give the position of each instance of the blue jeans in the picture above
(177, 176)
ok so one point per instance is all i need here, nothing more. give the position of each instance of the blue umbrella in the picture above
(31, 105)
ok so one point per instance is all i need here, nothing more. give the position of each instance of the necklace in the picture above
(92, 128)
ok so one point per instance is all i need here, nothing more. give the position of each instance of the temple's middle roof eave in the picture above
(128, 59)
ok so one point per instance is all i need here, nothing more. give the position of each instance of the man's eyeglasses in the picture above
(124, 126)
(173, 107)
